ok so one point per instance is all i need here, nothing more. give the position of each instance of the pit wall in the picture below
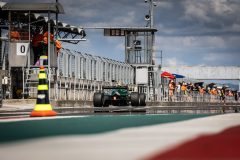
(80, 103)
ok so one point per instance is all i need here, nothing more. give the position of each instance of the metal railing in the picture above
(68, 88)
(79, 75)
(85, 66)
(195, 96)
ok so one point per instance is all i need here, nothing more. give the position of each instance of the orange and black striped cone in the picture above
(43, 107)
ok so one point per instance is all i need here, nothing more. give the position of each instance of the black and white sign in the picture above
(22, 49)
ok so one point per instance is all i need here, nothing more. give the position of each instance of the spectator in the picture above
(178, 91)
(236, 96)
(230, 93)
(201, 91)
(171, 88)
(222, 94)
(184, 88)
(188, 88)
(213, 92)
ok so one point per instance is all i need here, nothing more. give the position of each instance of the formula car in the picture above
(118, 96)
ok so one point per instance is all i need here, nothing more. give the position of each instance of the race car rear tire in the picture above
(142, 99)
(134, 98)
(98, 99)
(106, 101)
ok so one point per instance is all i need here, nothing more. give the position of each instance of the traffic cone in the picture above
(43, 107)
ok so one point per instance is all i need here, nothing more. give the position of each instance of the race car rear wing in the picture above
(115, 87)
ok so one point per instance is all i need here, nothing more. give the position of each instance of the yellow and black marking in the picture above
(43, 106)
(42, 97)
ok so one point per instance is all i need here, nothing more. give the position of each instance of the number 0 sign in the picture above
(22, 49)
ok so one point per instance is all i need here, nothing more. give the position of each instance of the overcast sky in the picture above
(190, 32)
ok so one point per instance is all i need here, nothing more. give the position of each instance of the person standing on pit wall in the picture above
(201, 92)
(45, 40)
(184, 91)
(184, 88)
(36, 43)
(171, 88)
(236, 96)
(179, 91)
(223, 97)
(14, 34)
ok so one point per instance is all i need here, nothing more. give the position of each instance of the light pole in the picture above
(150, 16)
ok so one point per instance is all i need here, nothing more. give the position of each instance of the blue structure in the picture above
(178, 76)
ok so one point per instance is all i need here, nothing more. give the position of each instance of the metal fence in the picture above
(194, 96)
(85, 66)
(80, 75)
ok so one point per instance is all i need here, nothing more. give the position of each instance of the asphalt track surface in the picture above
(118, 137)
(40, 127)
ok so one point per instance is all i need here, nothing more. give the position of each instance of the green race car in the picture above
(118, 96)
